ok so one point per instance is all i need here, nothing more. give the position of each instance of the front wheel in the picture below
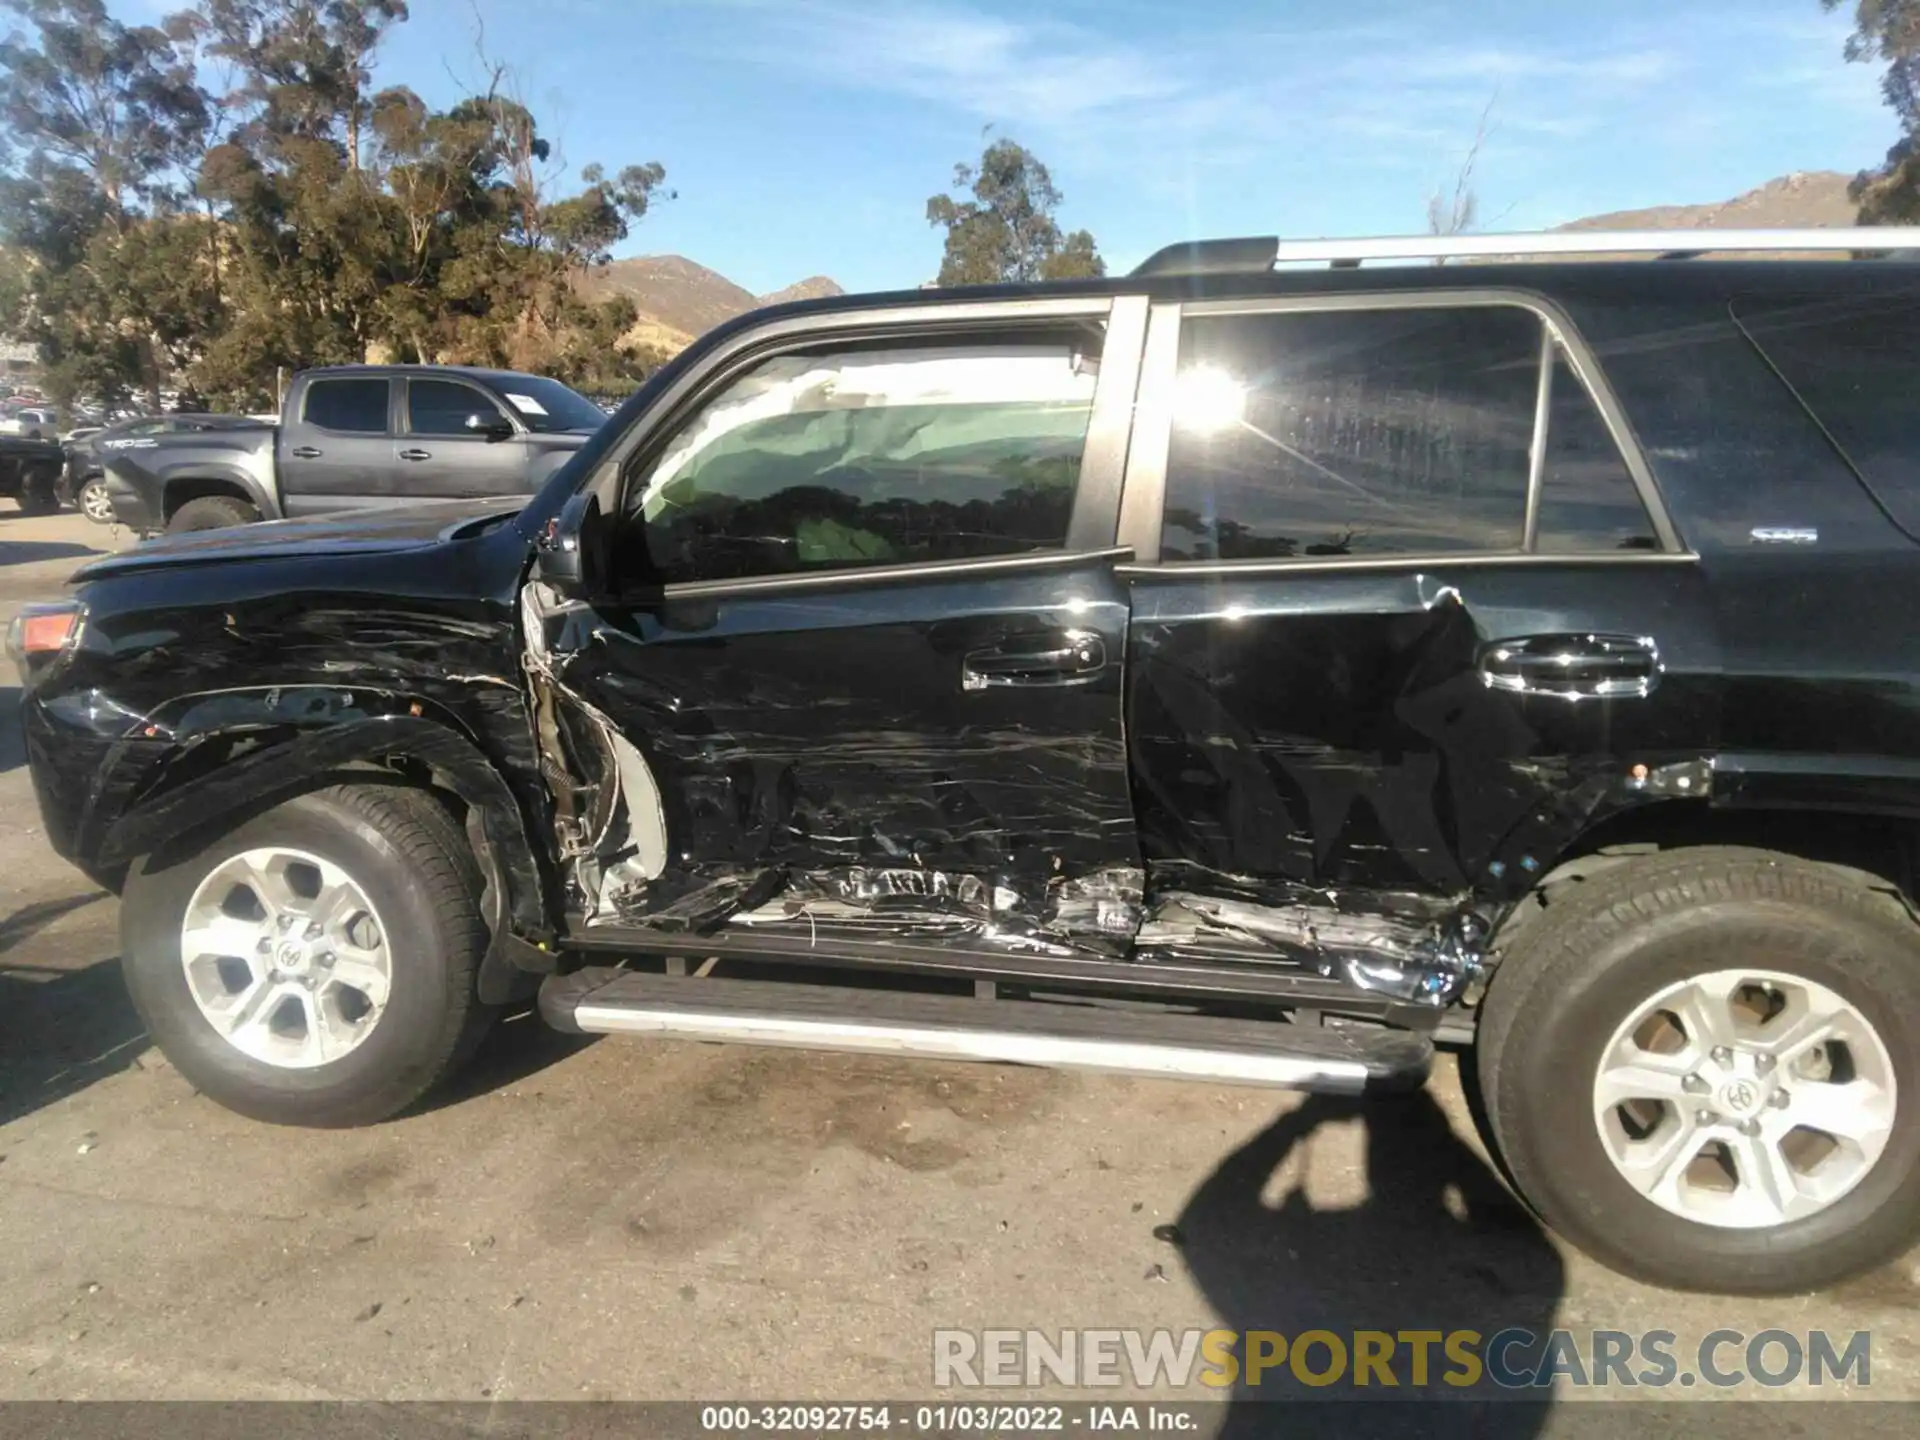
(317, 965)
(1704, 1068)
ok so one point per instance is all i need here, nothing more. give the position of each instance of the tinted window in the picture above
(1588, 501)
(441, 407)
(873, 457)
(1356, 432)
(1856, 365)
(356, 406)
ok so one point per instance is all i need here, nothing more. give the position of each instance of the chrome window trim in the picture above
(1103, 456)
(1451, 560)
(1143, 501)
(932, 573)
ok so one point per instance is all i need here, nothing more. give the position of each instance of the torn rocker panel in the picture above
(1408, 946)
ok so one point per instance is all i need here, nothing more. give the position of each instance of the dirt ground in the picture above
(659, 1220)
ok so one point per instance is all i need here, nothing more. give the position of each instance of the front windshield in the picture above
(548, 406)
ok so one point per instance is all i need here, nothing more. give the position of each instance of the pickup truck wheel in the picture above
(37, 496)
(94, 502)
(315, 966)
(212, 512)
(1703, 1068)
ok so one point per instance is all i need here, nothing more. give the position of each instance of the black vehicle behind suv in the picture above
(84, 485)
(1308, 666)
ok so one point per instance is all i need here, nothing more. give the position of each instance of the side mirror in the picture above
(490, 427)
(559, 559)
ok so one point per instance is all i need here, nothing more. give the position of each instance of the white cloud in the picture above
(1210, 97)
(1186, 115)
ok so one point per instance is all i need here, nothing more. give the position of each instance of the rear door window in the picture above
(354, 407)
(1855, 363)
(1351, 432)
(1360, 432)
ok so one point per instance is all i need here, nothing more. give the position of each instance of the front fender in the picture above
(175, 816)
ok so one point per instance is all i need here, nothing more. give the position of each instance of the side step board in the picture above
(1020, 1032)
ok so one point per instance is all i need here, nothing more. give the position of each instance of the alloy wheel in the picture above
(1745, 1098)
(286, 957)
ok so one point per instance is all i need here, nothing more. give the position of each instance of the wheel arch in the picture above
(224, 774)
(198, 480)
(1877, 847)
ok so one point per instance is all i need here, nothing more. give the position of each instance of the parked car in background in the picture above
(30, 472)
(357, 436)
(84, 481)
(30, 422)
(1233, 671)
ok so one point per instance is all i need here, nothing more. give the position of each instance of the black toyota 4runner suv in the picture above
(1239, 673)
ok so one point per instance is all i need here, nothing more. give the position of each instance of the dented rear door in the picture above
(865, 677)
(1416, 619)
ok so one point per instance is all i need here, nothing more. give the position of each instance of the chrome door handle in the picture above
(305, 452)
(1071, 657)
(416, 454)
(1573, 667)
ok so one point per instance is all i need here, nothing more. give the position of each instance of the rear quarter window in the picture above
(1855, 364)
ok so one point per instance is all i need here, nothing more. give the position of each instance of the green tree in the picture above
(101, 118)
(87, 93)
(1007, 231)
(1889, 31)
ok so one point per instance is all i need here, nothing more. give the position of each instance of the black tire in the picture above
(1605, 947)
(212, 512)
(411, 859)
(38, 496)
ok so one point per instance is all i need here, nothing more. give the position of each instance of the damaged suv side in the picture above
(1219, 673)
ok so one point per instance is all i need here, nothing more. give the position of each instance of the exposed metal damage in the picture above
(608, 818)
(1412, 948)
(611, 827)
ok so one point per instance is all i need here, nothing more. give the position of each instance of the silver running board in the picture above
(1020, 1032)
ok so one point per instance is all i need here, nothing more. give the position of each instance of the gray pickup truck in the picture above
(353, 437)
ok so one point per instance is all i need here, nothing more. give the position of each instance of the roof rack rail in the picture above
(1218, 257)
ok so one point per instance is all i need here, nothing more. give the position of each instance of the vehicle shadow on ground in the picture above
(25, 552)
(518, 1048)
(61, 1028)
(13, 744)
(1437, 1244)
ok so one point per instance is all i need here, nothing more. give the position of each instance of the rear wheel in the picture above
(38, 495)
(315, 966)
(1704, 1068)
(212, 512)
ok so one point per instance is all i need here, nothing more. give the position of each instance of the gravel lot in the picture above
(656, 1220)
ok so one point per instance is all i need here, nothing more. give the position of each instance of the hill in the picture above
(680, 299)
(1805, 198)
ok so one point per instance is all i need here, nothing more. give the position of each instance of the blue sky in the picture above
(804, 136)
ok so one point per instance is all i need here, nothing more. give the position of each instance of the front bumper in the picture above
(86, 769)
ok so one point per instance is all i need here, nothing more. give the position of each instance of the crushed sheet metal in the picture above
(1431, 961)
(1097, 912)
